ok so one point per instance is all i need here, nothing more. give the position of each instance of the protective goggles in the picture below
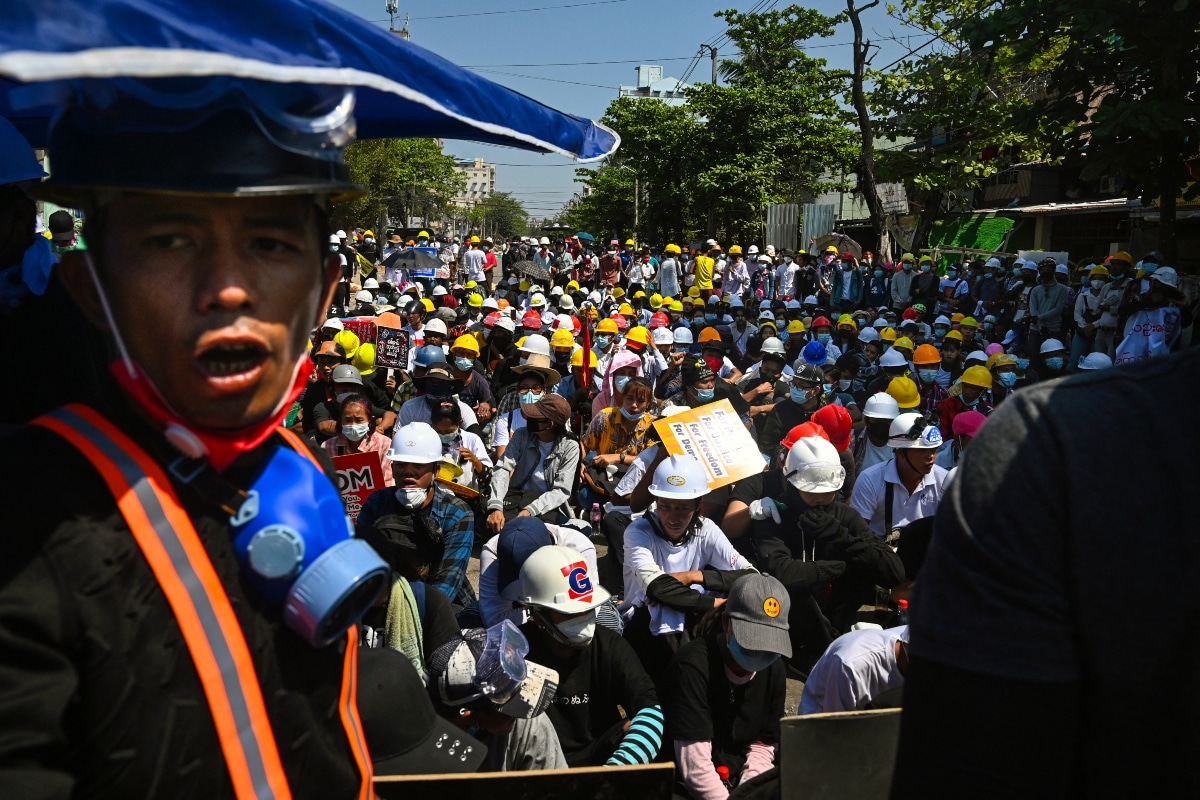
(815, 477)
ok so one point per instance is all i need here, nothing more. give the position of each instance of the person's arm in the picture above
(451, 575)
(561, 483)
(635, 692)
(775, 558)
(492, 607)
(1080, 307)
(697, 772)
(640, 498)
(760, 757)
(501, 475)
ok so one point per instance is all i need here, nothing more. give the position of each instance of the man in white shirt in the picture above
(473, 260)
(857, 668)
(907, 488)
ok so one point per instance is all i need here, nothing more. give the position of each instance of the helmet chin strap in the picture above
(108, 315)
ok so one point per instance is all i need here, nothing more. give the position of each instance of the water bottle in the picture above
(594, 517)
(901, 615)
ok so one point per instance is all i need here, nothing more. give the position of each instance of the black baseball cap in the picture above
(404, 734)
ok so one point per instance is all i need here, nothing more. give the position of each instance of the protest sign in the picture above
(1149, 333)
(391, 348)
(358, 476)
(716, 436)
(362, 327)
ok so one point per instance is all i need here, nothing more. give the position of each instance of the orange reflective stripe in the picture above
(298, 445)
(348, 706)
(176, 555)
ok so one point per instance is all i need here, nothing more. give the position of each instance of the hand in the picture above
(677, 358)
(484, 411)
(606, 459)
(718, 602)
(764, 509)
(466, 453)
(495, 521)
(390, 383)
(524, 513)
(766, 387)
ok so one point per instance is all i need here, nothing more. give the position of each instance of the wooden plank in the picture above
(836, 756)
(639, 782)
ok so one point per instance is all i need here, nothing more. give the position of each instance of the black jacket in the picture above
(98, 693)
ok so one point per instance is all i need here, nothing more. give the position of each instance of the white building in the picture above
(652, 84)
(481, 181)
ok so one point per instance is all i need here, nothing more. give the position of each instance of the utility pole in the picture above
(713, 52)
(636, 203)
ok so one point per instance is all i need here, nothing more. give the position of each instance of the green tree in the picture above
(404, 178)
(500, 215)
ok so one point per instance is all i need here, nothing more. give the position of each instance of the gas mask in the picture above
(293, 539)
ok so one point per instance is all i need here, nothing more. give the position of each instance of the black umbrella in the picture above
(532, 269)
(412, 259)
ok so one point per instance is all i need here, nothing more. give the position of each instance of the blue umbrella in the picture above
(403, 90)
(584, 236)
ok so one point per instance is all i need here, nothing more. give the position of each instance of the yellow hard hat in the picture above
(368, 233)
(474, 240)
(364, 359)
(470, 285)
(572, 286)
(577, 358)
(904, 391)
(618, 293)
(676, 305)
(1001, 360)
(956, 317)
(626, 310)
(904, 342)
(656, 301)
(795, 326)
(968, 322)
(638, 293)
(422, 234)
(978, 375)
(638, 334)
(888, 334)
(956, 335)
(693, 292)
(427, 304)
(830, 249)
(562, 338)
(846, 319)
(630, 242)
(475, 301)
(525, 284)
(927, 354)
(926, 259)
(735, 250)
(349, 342)
(907, 258)
(672, 248)
(466, 342)
(606, 325)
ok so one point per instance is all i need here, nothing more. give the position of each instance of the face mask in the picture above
(798, 396)
(928, 375)
(988, 275)
(1097, 285)
(939, 332)
(908, 267)
(971, 403)
(603, 341)
(620, 382)
(705, 395)
(844, 384)
(951, 274)
(1022, 364)
(412, 498)
(464, 364)
(827, 388)
(680, 348)
(714, 363)
(529, 398)
(1149, 268)
(578, 631)
(878, 273)
(355, 433)
(333, 248)
(987, 326)
(632, 417)
(824, 338)
(710, 318)
(341, 396)
(787, 259)
(1007, 379)
(448, 438)
(925, 267)
(369, 240)
(751, 660)
(1054, 364)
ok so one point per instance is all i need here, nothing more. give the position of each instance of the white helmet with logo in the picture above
(680, 478)
(416, 443)
(557, 578)
(813, 465)
(913, 430)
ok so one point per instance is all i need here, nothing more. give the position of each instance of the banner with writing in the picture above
(359, 475)
(715, 435)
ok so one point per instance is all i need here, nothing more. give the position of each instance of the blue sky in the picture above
(548, 45)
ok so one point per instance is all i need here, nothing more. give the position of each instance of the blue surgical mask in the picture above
(529, 398)
(971, 403)
(464, 363)
(939, 332)
(1022, 364)
(705, 395)
(603, 341)
(928, 375)
(355, 433)
(710, 318)
(824, 338)
(1007, 379)
(620, 382)
(798, 395)
(878, 273)
(989, 275)
(751, 660)
(632, 417)
(448, 438)
(827, 388)
(1054, 364)
(1148, 267)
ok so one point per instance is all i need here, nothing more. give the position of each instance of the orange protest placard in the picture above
(714, 434)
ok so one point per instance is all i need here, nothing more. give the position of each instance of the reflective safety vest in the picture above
(173, 549)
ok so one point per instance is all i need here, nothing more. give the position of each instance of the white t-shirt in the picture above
(870, 489)
(417, 409)
(633, 475)
(495, 608)
(648, 555)
(875, 455)
(503, 432)
(474, 259)
(858, 667)
(473, 443)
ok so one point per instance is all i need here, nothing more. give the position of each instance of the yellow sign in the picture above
(716, 436)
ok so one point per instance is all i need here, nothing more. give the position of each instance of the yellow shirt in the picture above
(704, 272)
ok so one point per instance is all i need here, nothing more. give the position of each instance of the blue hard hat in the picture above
(814, 353)
(16, 156)
(429, 355)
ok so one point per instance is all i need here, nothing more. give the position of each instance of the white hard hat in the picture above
(766, 316)
(544, 240)
(556, 291)
(881, 405)
(752, 249)
(792, 305)
(764, 259)
(683, 336)
(1095, 361)
(594, 298)
(535, 343)
(901, 434)
(333, 238)
(879, 322)
(813, 465)
(868, 334)
(764, 305)
(1051, 346)
(506, 324)
(490, 302)
(1062, 269)
(773, 344)
(363, 296)
(976, 355)
(892, 358)
(370, 283)
(811, 300)
(663, 336)
(564, 321)
(736, 302)
(566, 302)
(405, 301)
(1167, 276)
(436, 325)
(681, 478)
(537, 301)
(438, 291)
(415, 443)
(333, 323)
(942, 319)
(548, 317)
(992, 262)
(340, 234)
(557, 578)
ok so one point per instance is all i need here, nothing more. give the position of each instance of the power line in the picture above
(580, 63)
(539, 78)
(513, 10)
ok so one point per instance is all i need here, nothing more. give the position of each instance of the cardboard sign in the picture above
(1037, 255)
(714, 434)
(362, 327)
(420, 272)
(391, 348)
(359, 475)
